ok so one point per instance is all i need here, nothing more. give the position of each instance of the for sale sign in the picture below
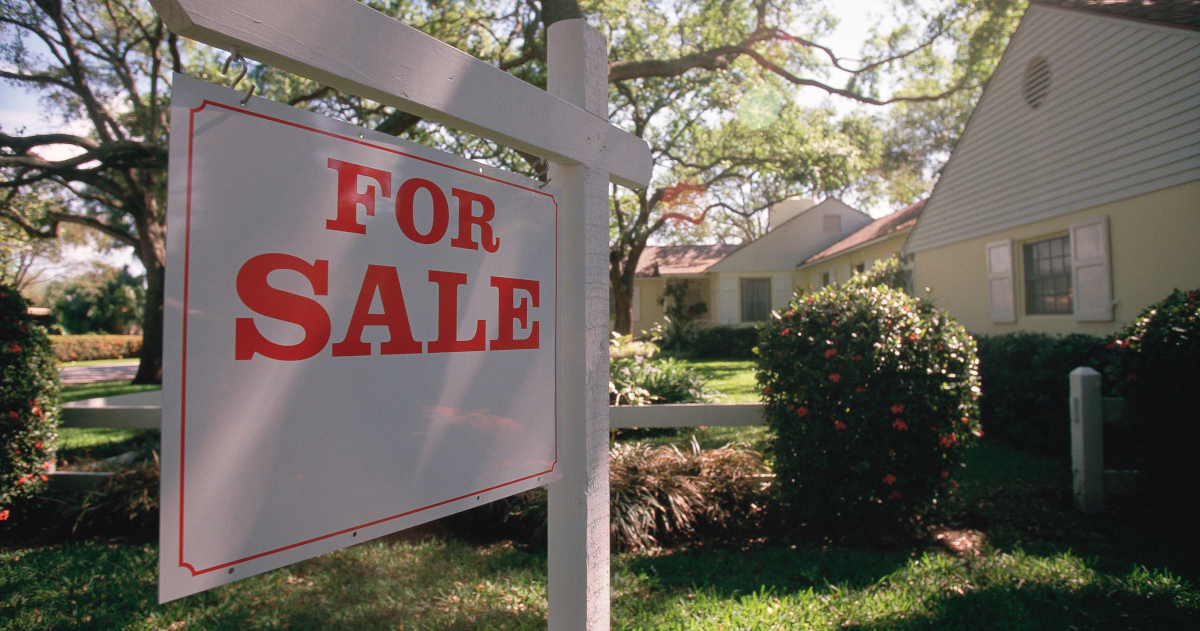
(360, 337)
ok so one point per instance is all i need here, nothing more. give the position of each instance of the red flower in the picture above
(900, 425)
(767, 390)
(21, 480)
(894, 496)
(835, 377)
(839, 425)
(954, 483)
(830, 353)
(785, 332)
(945, 473)
(889, 479)
(13, 414)
(37, 445)
(4, 515)
(912, 337)
(44, 478)
(833, 324)
(860, 389)
(855, 357)
(898, 408)
(949, 440)
(1132, 377)
(801, 411)
(48, 464)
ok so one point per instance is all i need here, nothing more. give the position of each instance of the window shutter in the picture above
(1091, 267)
(1001, 301)
(636, 304)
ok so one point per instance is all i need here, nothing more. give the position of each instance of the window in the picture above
(826, 279)
(756, 299)
(1048, 277)
(860, 268)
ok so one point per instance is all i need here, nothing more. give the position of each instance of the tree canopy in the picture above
(709, 84)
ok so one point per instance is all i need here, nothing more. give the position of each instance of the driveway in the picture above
(103, 372)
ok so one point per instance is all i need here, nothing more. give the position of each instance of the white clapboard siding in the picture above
(1121, 118)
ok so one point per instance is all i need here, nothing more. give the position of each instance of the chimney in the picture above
(787, 209)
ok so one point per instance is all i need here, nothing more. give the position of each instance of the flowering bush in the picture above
(1158, 372)
(75, 348)
(28, 402)
(871, 396)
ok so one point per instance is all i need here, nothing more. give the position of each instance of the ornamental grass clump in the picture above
(1157, 371)
(28, 402)
(871, 396)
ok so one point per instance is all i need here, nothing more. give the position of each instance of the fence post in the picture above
(1087, 435)
(578, 563)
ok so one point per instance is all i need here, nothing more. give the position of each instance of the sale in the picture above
(515, 297)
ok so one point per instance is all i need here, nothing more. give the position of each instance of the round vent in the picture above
(1037, 81)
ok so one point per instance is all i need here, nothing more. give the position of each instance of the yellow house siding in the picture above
(650, 290)
(1155, 245)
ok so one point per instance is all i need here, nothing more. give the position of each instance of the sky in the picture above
(19, 109)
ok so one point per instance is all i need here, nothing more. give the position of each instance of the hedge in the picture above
(74, 348)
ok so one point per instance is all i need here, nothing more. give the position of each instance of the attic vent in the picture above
(1037, 81)
(832, 224)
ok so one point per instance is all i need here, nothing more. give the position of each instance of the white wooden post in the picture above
(1087, 452)
(578, 573)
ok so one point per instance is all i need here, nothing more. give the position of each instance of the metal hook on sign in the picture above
(234, 56)
(545, 169)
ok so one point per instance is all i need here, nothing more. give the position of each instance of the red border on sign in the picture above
(183, 369)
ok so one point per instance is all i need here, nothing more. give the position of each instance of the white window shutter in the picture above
(635, 306)
(1091, 270)
(1002, 305)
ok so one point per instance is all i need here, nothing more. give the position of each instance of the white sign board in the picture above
(360, 337)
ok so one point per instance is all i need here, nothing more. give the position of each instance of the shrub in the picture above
(1026, 387)
(1158, 370)
(666, 495)
(28, 402)
(724, 342)
(75, 348)
(637, 380)
(871, 398)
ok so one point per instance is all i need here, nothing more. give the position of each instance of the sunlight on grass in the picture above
(454, 585)
(733, 378)
(97, 389)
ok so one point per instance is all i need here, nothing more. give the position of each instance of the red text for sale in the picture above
(473, 214)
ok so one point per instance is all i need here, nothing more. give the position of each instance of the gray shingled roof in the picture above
(1185, 13)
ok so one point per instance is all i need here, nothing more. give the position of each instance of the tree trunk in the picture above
(150, 367)
(622, 298)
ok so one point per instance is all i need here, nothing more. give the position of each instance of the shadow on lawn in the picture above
(779, 569)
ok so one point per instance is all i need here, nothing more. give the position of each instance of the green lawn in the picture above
(1036, 563)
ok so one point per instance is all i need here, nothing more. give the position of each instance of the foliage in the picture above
(1158, 373)
(665, 495)
(1026, 387)
(678, 327)
(28, 402)
(78, 348)
(103, 300)
(637, 380)
(889, 272)
(724, 342)
(871, 396)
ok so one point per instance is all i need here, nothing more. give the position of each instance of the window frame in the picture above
(762, 297)
(1049, 289)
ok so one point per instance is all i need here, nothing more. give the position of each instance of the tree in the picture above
(104, 65)
(103, 300)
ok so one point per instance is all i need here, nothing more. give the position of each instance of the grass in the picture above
(1040, 565)
(1035, 563)
(97, 389)
(734, 379)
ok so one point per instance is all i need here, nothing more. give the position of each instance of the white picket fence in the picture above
(1089, 411)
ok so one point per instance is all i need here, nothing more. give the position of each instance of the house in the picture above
(877, 241)
(1072, 200)
(742, 284)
